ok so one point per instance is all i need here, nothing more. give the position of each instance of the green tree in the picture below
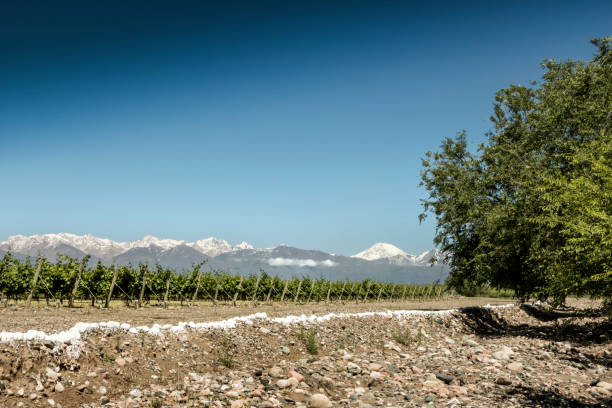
(531, 209)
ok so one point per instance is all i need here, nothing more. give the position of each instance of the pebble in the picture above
(501, 380)
(320, 401)
(357, 366)
(237, 404)
(605, 385)
(135, 393)
(52, 375)
(445, 378)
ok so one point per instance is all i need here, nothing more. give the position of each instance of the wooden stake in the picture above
(328, 292)
(297, 294)
(270, 292)
(392, 290)
(216, 291)
(255, 291)
(341, 292)
(77, 282)
(404, 293)
(110, 289)
(144, 283)
(166, 294)
(379, 293)
(311, 290)
(34, 282)
(237, 291)
(365, 298)
(195, 294)
(284, 291)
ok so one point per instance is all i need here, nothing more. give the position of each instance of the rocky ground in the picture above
(513, 357)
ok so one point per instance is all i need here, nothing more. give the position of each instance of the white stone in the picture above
(320, 401)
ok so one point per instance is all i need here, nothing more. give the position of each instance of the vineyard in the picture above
(69, 280)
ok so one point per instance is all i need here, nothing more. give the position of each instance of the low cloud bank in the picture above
(300, 262)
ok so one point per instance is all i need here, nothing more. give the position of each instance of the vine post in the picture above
(284, 291)
(254, 301)
(78, 280)
(109, 296)
(297, 293)
(342, 292)
(166, 293)
(34, 281)
(311, 290)
(365, 297)
(145, 270)
(216, 290)
(237, 291)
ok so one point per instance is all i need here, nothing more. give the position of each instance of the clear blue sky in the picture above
(300, 123)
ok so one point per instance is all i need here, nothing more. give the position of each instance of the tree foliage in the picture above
(531, 209)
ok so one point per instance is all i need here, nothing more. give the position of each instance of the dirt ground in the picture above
(50, 319)
(522, 356)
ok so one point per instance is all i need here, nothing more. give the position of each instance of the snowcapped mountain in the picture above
(243, 245)
(149, 241)
(381, 250)
(105, 249)
(88, 244)
(390, 253)
(211, 246)
(382, 261)
(425, 257)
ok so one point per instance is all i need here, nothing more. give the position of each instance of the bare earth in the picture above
(516, 357)
(50, 319)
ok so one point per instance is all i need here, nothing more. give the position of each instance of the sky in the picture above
(272, 122)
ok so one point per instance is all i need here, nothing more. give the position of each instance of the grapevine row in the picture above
(68, 279)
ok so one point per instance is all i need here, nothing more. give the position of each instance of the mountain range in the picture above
(382, 261)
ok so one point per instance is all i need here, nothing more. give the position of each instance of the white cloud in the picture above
(299, 262)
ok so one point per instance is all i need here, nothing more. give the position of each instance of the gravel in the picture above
(474, 358)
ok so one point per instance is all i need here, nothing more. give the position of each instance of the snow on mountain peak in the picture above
(243, 245)
(99, 247)
(164, 243)
(107, 249)
(392, 254)
(211, 246)
(381, 250)
(426, 256)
